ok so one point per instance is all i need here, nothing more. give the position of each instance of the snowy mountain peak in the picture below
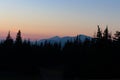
(63, 40)
(55, 38)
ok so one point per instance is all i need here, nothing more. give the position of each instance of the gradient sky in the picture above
(45, 18)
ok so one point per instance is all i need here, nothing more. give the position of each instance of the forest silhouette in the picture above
(95, 58)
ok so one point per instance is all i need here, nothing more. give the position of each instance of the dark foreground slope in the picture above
(75, 60)
(98, 58)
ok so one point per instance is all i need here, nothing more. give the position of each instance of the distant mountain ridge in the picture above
(63, 40)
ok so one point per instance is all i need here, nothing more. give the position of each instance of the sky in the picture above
(39, 19)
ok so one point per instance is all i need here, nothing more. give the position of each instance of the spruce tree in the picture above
(99, 33)
(106, 34)
(18, 38)
(9, 40)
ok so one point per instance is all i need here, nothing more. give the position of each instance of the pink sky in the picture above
(39, 19)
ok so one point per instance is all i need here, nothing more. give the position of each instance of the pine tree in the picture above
(106, 34)
(77, 40)
(18, 38)
(99, 33)
(9, 40)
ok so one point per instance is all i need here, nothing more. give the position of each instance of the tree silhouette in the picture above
(9, 40)
(18, 40)
(99, 33)
(96, 58)
(106, 34)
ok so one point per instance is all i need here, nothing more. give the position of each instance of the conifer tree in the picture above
(106, 34)
(99, 33)
(9, 40)
(18, 38)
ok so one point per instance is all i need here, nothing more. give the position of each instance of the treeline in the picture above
(95, 58)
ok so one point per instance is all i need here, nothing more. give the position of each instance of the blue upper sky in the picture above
(59, 17)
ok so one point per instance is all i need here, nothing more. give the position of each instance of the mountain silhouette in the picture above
(63, 40)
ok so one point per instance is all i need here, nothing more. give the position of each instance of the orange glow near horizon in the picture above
(40, 31)
(38, 19)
